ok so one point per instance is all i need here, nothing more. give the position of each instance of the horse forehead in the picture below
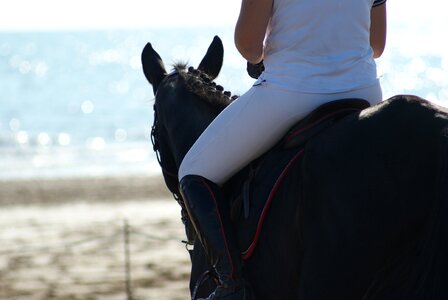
(169, 82)
(171, 89)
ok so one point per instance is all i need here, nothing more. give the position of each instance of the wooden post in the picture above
(127, 260)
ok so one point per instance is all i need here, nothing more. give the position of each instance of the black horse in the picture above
(360, 212)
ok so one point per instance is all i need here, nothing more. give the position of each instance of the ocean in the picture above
(76, 103)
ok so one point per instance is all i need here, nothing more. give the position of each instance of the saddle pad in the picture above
(260, 190)
(271, 171)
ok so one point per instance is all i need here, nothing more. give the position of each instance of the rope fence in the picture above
(97, 261)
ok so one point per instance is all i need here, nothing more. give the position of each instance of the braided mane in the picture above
(200, 84)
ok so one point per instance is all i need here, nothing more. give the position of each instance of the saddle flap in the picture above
(321, 118)
(250, 208)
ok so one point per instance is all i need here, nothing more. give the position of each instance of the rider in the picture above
(314, 51)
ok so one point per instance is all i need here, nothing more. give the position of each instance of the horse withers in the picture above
(359, 211)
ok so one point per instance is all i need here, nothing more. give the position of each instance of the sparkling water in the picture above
(78, 104)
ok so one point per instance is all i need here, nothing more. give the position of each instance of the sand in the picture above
(65, 239)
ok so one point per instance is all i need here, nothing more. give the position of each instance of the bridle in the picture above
(172, 182)
(167, 173)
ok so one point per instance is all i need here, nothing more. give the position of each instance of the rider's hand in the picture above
(255, 71)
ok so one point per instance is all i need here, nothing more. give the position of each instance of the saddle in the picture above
(321, 118)
(250, 207)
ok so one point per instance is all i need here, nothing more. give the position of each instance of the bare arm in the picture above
(378, 29)
(251, 28)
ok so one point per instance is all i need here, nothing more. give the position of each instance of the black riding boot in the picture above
(210, 215)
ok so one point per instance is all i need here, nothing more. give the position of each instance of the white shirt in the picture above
(319, 46)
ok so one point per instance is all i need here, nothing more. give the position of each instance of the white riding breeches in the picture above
(251, 125)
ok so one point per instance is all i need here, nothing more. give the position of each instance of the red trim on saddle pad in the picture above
(248, 253)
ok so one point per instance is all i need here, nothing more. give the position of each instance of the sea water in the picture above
(78, 104)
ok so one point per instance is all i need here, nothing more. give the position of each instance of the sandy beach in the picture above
(68, 239)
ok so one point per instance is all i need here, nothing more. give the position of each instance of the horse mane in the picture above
(200, 84)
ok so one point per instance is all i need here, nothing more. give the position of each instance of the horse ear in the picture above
(212, 62)
(153, 66)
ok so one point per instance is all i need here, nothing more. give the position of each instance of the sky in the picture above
(44, 15)
(32, 15)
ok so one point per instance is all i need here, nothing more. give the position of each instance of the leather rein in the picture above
(155, 140)
(172, 180)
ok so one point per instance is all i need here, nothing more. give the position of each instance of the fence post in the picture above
(127, 260)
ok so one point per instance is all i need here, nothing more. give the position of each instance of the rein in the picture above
(172, 180)
(156, 147)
